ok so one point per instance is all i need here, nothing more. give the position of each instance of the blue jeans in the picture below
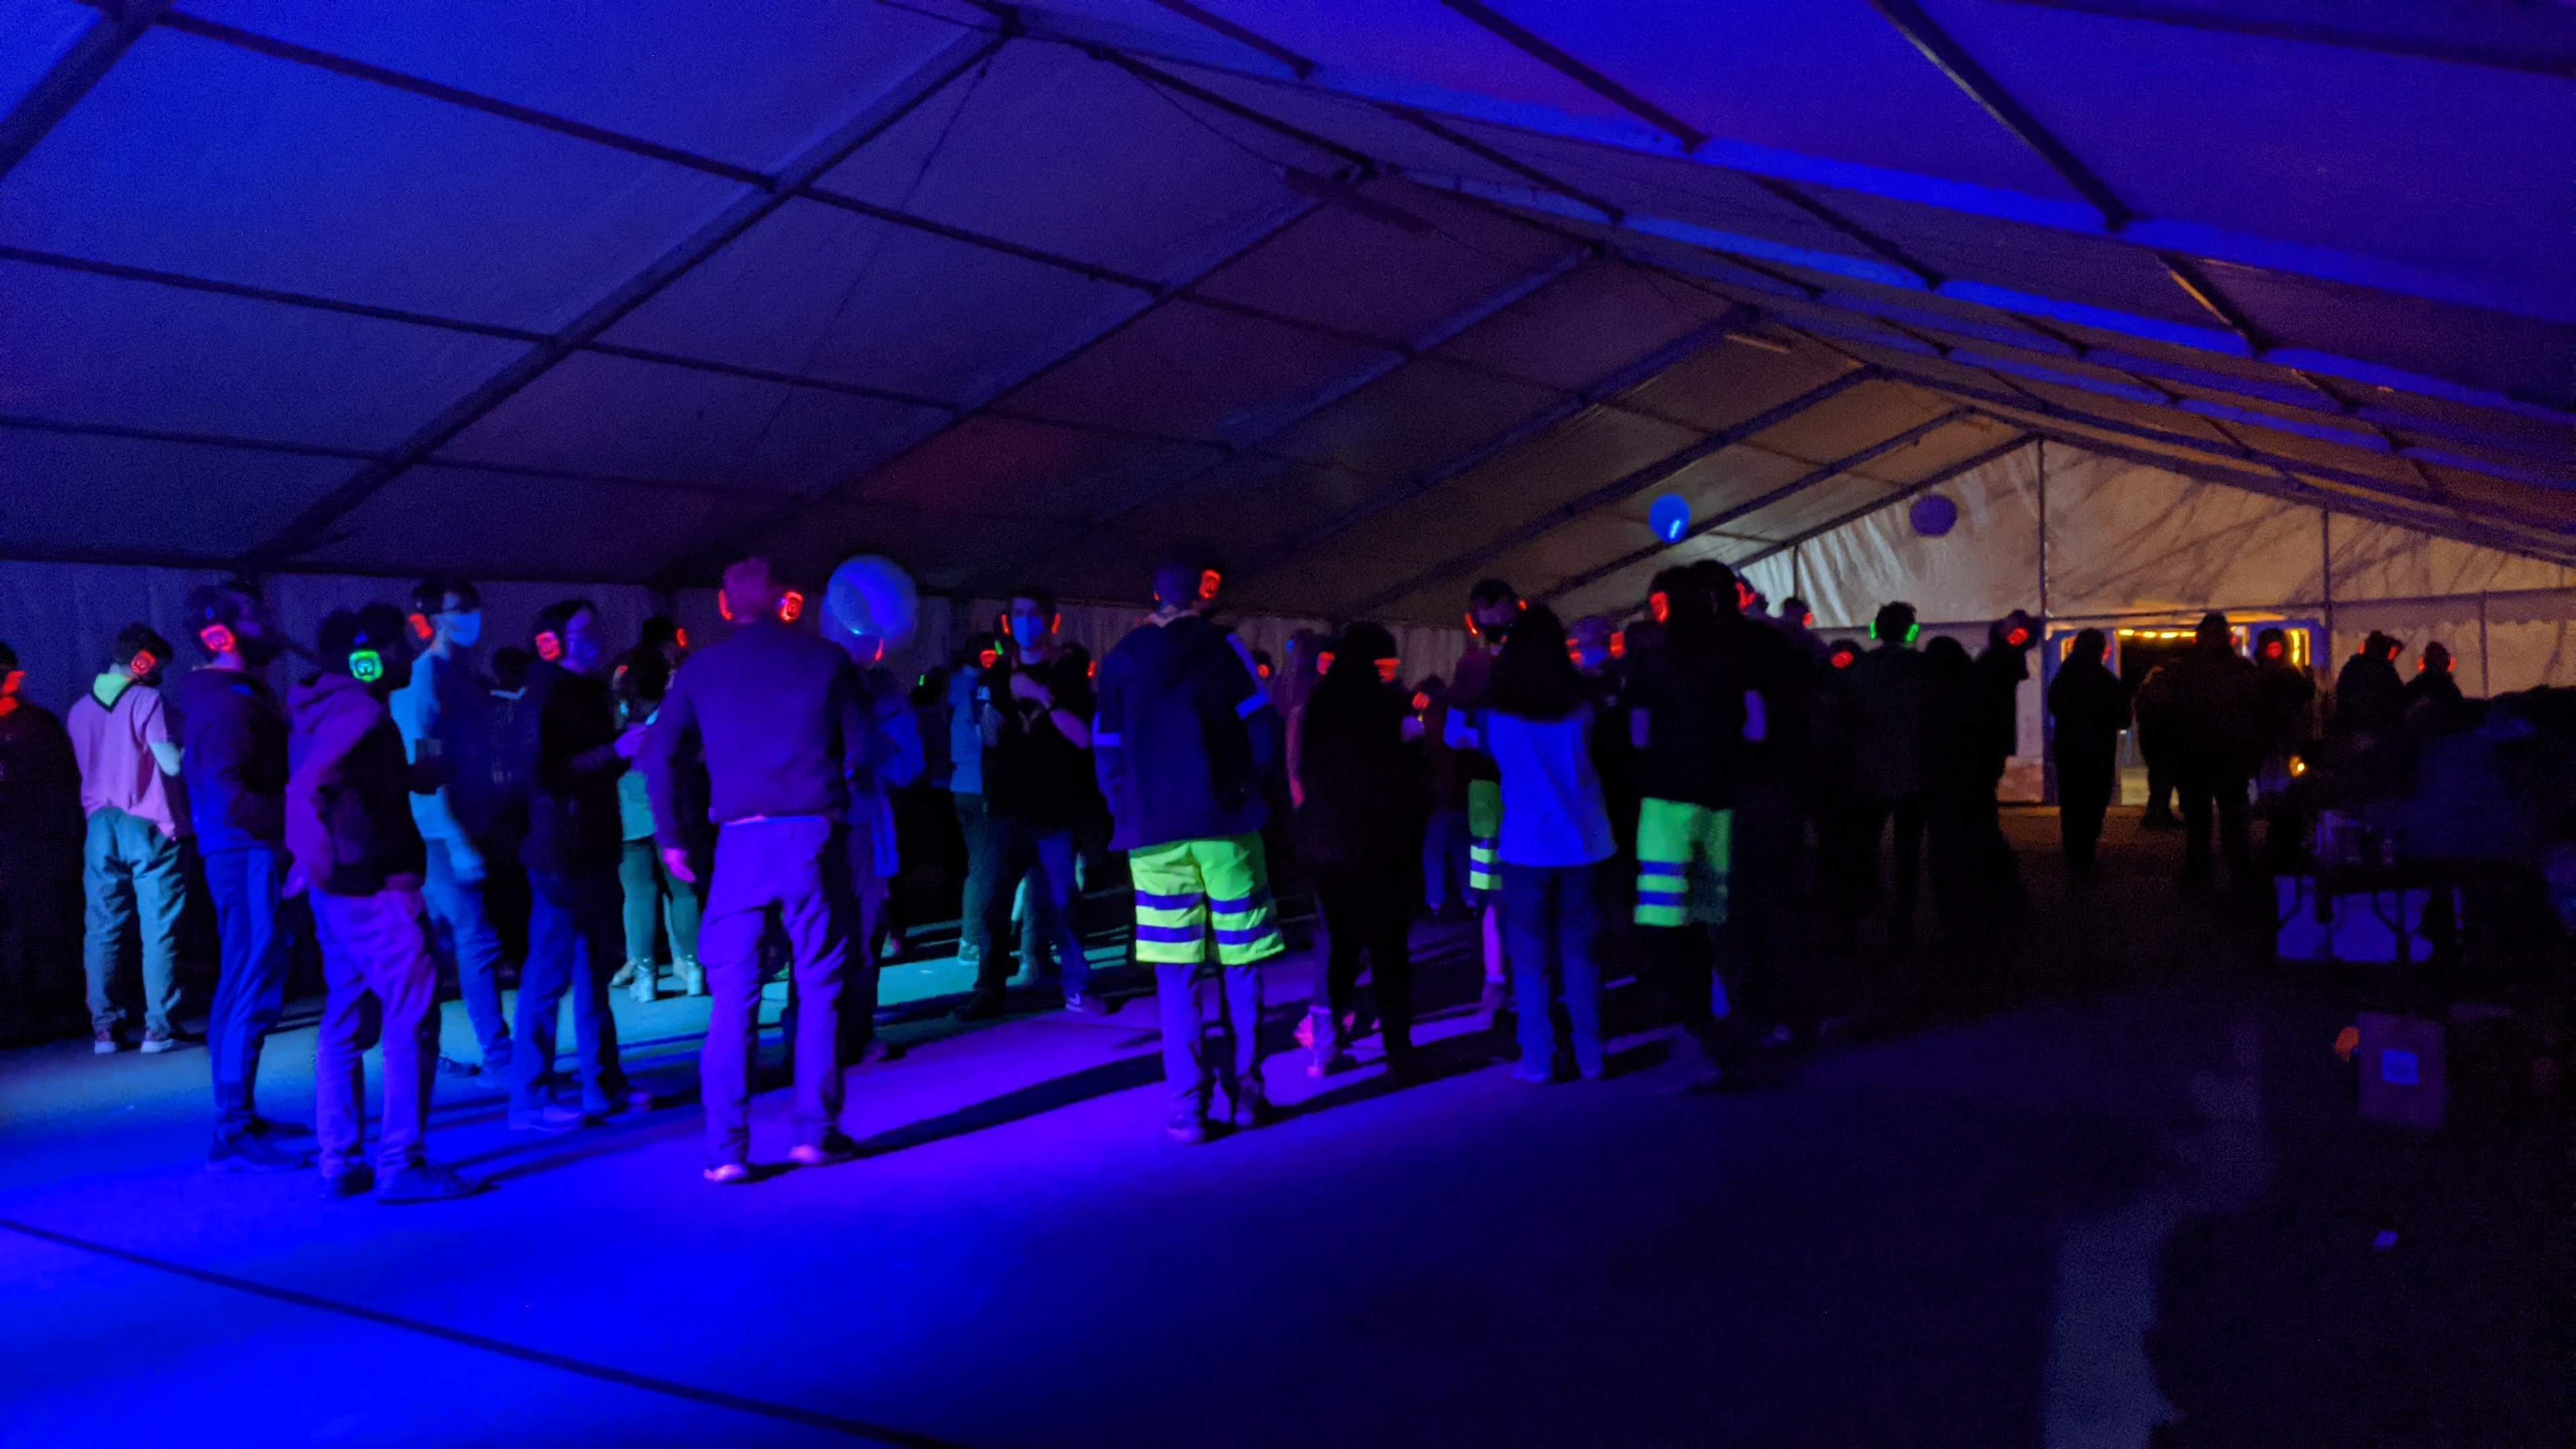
(250, 992)
(1552, 924)
(574, 942)
(798, 869)
(380, 985)
(1045, 856)
(1187, 1073)
(462, 930)
(1444, 859)
(132, 873)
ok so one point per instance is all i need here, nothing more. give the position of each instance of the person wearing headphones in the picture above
(1888, 772)
(1492, 608)
(131, 863)
(350, 827)
(232, 733)
(780, 718)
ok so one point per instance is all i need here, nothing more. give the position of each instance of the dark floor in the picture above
(2131, 1204)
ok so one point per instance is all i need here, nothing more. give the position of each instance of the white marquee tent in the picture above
(2256, 303)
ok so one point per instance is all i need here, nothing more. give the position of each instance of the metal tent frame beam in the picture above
(1600, 393)
(1910, 491)
(1259, 235)
(1618, 490)
(944, 66)
(1343, 388)
(2158, 235)
(1791, 489)
(2293, 490)
(81, 66)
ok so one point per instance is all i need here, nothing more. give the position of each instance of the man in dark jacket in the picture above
(1882, 739)
(2369, 698)
(781, 720)
(574, 753)
(2090, 706)
(1183, 745)
(1995, 684)
(349, 825)
(2214, 696)
(40, 850)
(232, 737)
(2433, 682)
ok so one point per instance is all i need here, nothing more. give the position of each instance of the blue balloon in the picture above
(1933, 515)
(1670, 518)
(872, 597)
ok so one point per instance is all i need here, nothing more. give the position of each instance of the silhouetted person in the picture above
(2214, 698)
(1957, 791)
(1691, 708)
(2156, 748)
(1355, 825)
(2433, 684)
(1995, 683)
(1882, 741)
(2286, 697)
(2369, 698)
(40, 851)
(2090, 706)
(572, 752)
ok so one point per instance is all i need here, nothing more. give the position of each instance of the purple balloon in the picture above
(1933, 515)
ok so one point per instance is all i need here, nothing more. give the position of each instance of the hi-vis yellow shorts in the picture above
(1684, 855)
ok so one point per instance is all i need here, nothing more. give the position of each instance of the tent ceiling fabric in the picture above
(1383, 296)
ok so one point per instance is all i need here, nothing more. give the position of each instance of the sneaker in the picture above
(1085, 1003)
(1252, 1109)
(693, 980)
(427, 1182)
(104, 1043)
(1327, 1064)
(646, 985)
(982, 1006)
(726, 1174)
(1189, 1126)
(625, 977)
(249, 1153)
(157, 1042)
(1537, 1078)
(550, 1118)
(834, 1149)
(1494, 1001)
(450, 1067)
(875, 1050)
(347, 1183)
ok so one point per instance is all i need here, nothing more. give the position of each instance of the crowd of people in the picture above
(1664, 788)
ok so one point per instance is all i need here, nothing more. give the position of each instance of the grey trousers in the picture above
(132, 875)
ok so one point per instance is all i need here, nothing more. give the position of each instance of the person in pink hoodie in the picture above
(349, 826)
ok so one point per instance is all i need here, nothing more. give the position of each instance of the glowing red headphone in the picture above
(420, 626)
(549, 645)
(218, 638)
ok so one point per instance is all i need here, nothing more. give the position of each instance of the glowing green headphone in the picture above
(1911, 630)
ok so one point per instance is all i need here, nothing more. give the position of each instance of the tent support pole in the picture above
(2486, 663)
(2043, 529)
(2325, 565)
